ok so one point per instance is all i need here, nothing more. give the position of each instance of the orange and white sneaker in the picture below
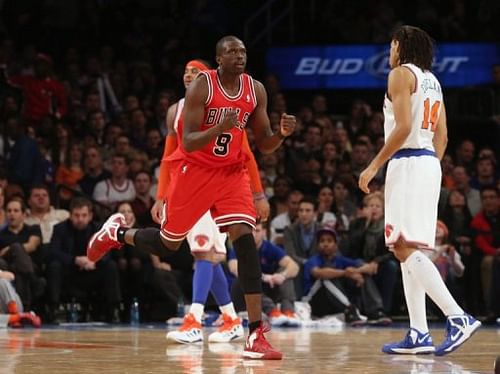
(189, 332)
(293, 319)
(231, 329)
(258, 348)
(106, 238)
(276, 318)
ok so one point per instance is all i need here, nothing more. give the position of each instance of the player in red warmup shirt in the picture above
(210, 175)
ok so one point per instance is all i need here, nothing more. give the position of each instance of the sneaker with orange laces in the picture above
(106, 238)
(231, 329)
(293, 319)
(189, 332)
(276, 318)
(258, 348)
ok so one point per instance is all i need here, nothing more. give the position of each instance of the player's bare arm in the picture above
(440, 139)
(400, 86)
(171, 145)
(266, 141)
(194, 110)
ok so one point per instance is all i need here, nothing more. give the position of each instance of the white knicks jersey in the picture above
(426, 103)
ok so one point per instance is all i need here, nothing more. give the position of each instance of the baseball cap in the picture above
(326, 230)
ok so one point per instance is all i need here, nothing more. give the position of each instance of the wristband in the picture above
(257, 196)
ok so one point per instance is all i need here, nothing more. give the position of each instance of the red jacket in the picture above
(41, 96)
(484, 234)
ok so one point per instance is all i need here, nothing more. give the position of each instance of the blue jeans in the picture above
(385, 279)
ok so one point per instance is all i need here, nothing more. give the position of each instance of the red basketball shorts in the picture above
(195, 189)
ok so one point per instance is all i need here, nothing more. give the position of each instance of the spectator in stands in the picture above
(325, 214)
(43, 94)
(17, 242)
(486, 237)
(329, 162)
(343, 204)
(96, 124)
(464, 155)
(69, 173)
(43, 214)
(22, 155)
(278, 272)
(135, 266)
(485, 173)
(360, 113)
(94, 171)
(366, 241)
(461, 180)
(457, 217)
(118, 187)
(71, 272)
(283, 220)
(300, 237)
(334, 283)
(448, 261)
(154, 145)
(143, 201)
(281, 188)
(360, 157)
(138, 128)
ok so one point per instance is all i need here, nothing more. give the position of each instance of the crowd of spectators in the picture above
(82, 137)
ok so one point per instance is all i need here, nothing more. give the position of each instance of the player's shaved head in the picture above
(219, 47)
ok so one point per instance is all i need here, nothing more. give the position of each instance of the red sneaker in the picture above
(258, 348)
(31, 318)
(105, 239)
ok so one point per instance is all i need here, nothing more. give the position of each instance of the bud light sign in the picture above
(367, 66)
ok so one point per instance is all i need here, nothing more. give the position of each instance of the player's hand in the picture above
(262, 208)
(157, 211)
(287, 124)
(365, 178)
(229, 120)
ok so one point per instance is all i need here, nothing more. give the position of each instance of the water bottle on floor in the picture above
(134, 312)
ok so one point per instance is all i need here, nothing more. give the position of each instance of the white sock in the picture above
(423, 270)
(197, 311)
(229, 310)
(415, 301)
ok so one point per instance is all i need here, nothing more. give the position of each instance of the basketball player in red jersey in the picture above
(206, 242)
(210, 175)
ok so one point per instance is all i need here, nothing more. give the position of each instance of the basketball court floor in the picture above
(122, 349)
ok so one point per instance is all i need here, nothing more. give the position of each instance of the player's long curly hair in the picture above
(415, 46)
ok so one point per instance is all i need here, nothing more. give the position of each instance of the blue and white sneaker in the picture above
(458, 329)
(414, 343)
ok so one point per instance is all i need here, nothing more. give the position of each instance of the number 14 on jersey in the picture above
(430, 115)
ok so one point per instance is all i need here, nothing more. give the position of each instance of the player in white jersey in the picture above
(415, 141)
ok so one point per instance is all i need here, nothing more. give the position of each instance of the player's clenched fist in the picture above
(287, 124)
(229, 121)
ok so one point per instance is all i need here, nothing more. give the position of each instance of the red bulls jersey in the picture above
(225, 149)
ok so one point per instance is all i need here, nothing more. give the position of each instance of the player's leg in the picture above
(187, 203)
(201, 242)
(234, 211)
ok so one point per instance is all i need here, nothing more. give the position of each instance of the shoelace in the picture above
(189, 323)
(228, 323)
(264, 328)
(110, 226)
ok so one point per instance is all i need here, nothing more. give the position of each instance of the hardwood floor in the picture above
(144, 350)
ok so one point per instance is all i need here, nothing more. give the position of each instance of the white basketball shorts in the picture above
(412, 190)
(205, 234)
